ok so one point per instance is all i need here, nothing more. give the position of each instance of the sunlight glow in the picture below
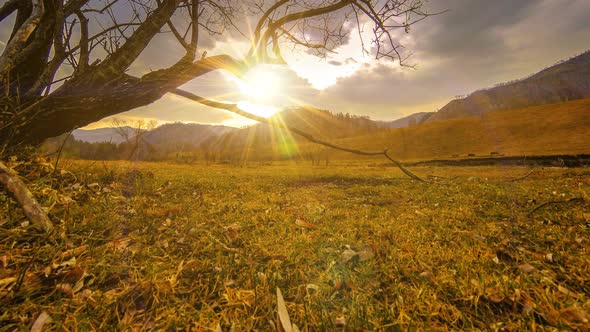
(345, 61)
(257, 109)
(260, 84)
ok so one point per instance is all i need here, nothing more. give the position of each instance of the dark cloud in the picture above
(469, 25)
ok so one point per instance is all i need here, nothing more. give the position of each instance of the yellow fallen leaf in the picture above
(65, 288)
(4, 260)
(282, 312)
(119, 244)
(43, 319)
(7, 281)
(526, 268)
(73, 252)
(567, 292)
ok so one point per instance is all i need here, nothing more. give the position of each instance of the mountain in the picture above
(407, 121)
(112, 135)
(316, 122)
(262, 141)
(175, 137)
(567, 80)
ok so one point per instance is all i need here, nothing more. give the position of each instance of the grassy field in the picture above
(191, 247)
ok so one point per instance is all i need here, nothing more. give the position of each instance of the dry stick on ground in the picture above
(235, 109)
(25, 198)
(571, 200)
(523, 177)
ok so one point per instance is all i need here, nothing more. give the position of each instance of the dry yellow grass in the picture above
(177, 247)
(540, 130)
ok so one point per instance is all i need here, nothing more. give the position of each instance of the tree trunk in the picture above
(32, 61)
(73, 107)
(93, 96)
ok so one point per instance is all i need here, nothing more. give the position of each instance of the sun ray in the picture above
(258, 109)
(286, 139)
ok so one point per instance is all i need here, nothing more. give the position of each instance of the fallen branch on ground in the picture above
(25, 198)
(523, 177)
(235, 109)
(571, 200)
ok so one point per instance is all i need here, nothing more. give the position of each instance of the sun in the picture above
(261, 84)
(260, 91)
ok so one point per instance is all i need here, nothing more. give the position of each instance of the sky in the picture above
(475, 44)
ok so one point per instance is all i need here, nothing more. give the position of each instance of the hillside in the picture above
(568, 80)
(263, 141)
(407, 121)
(176, 137)
(552, 129)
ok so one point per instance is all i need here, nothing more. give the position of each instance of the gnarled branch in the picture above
(123, 57)
(19, 41)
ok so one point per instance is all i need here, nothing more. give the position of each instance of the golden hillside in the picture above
(551, 129)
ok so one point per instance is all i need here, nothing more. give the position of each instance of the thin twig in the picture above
(61, 147)
(523, 177)
(571, 200)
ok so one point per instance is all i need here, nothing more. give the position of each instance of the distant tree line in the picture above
(214, 150)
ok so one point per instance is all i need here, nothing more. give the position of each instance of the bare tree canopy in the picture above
(96, 41)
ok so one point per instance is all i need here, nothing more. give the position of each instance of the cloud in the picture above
(476, 44)
(469, 27)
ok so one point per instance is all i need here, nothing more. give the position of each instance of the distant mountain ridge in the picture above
(565, 81)
(177, 133)
(406, 121)
(100, 135)
(173, 137)
(319, 123)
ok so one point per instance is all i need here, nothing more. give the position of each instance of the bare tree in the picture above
(94, 44)
(133, 134)
(65, 63)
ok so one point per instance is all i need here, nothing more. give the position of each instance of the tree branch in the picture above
(84, 49)
(260, 45)
(123, 57)
(8, 8)
(59, 54)
(25, 198)
(184, 71)
(72, 6)
(177, 34)
(194, 25)
(235, 109)
(18, 43)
